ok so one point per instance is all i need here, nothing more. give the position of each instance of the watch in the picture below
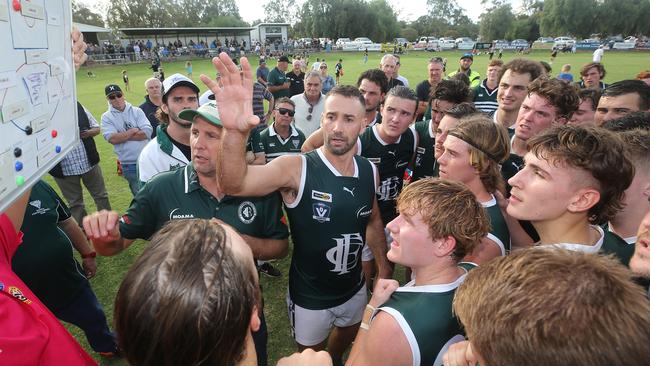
(92, 254)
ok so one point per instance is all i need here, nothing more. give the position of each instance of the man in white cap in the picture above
(170, 149)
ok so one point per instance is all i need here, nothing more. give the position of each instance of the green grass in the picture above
(90, 92)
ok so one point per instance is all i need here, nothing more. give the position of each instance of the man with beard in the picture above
(465, 64)
(171, 148)
(329, 198)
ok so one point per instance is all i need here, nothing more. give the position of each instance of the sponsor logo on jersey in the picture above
(350, 191)
(364, 211)
(421, 150)
(247, 212)
(39, 210)
(321, 196)
(321, 212)
(271, 144)
(18, 294)
(125, 219)
(375, 160)
(345, 255)
(174, 216)
(400, 164)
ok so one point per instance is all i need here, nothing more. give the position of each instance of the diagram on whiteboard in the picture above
(38, 120)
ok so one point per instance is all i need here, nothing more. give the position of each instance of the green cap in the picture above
(207, 111)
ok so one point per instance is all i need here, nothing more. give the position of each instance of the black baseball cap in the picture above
(111, 89)
(283, 59)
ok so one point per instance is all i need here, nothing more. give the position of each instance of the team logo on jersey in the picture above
(15, 292)
(321, 212)
(388, 189)
(321, 196)
(375, 161)
(271, 144)
(247, 212)
(364, 211)
(345, 255)
(295, 143)
(174, 216)
(39, 210)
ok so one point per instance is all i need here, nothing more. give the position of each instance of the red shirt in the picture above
(29, 332)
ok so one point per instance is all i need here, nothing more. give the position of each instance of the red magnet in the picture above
(54, 133)
(16, 4)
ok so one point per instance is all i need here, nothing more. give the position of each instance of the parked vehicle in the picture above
(562, 42)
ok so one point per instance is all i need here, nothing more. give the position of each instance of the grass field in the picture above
(90, 92)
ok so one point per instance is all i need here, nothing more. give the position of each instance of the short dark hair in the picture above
(630, 86)
(599, 152)
(462, 77)
(630, 121)
(547, 67)
(451, 90)
(563, 96)
(461, 110)
(591, 65)
(347, 91)
(286, 100)
(590, 94)
(190, 290)
(404, 92)
(523, 66)
(376, 76)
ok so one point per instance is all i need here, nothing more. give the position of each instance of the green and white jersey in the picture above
(391, 160)
(178, 195)
(424, 159)
(499, 232)
(609, 243)
(484, 99)
(328, 221)
(275, 145)
(425, 316)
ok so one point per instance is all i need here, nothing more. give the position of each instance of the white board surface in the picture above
(38, 112)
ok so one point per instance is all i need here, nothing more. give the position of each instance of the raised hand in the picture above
(383, 289)
(235, 97)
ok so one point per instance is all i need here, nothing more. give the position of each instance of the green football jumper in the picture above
(391, 160)
(275, 145)
(328, 222)
(609, 243)
(499, 232)
(425, 316)
(178, 195)
(424, 159)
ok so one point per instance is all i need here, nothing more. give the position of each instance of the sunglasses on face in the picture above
(285, 111)
(323, 67)
(116, 95)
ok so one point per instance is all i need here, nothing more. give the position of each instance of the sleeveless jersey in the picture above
(328, 221)
(425, 316)
(391, 161)
(499, 232)
(424, 160)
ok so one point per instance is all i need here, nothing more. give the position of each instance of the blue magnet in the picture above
(19, 166)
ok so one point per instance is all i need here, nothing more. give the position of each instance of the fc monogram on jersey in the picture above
(345, 255)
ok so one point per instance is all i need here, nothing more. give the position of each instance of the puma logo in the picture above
(351, 191)
(394, 153)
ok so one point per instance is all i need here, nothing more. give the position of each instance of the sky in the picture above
(408, 10)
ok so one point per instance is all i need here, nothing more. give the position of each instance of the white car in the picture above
(341, 41)
(564, 41)
(362, 40)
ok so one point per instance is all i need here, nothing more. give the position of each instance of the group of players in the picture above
(521, 180)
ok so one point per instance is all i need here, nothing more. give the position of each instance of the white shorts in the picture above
(366, 253)
(311, 327)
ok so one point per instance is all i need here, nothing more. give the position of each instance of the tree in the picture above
(570, 17)
(140, 14)
(496, 22)
(280, 11)
(626, 17)
(82, 14)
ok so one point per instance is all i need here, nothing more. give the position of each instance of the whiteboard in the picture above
(38, 111)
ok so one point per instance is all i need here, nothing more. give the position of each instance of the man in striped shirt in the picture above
(485, 94)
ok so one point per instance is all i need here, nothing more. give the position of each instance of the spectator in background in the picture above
(328, 80)
(310, 104)
(587, 109)
(485, 94)
(591, 76)
(126, 128)
(465, 64)
(152, 101)
(388, 64)
(81, 164)
(598, 54)
(262, 73)
(565, 73)
(45, 262)
(644, 76)
(399, 77)
(296, 79)
(436, 69)
(278, 84)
